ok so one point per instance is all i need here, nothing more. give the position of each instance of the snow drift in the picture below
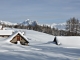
(69, 40)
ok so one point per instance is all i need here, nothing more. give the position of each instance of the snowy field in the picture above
(41, 47)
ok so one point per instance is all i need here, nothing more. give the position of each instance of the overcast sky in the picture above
(43, 11)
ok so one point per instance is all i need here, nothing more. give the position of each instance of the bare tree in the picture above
(72, 26)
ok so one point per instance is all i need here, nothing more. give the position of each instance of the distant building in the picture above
(6, 33)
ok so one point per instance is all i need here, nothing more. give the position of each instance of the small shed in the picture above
(18, 37)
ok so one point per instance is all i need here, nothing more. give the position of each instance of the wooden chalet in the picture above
(18, 37)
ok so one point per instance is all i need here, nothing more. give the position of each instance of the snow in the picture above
(41, 47)
(73, 41)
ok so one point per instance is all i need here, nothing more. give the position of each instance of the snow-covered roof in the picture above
(6, 32)
(14, 34)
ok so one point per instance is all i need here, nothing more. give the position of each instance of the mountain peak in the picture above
(29, 22)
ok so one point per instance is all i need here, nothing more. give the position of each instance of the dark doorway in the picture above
(18, 38)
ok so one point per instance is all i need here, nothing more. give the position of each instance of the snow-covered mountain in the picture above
(25, 23)
(7, 23)
(60, 26)
(29, 22)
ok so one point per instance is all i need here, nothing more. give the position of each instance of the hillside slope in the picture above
(40, 47)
